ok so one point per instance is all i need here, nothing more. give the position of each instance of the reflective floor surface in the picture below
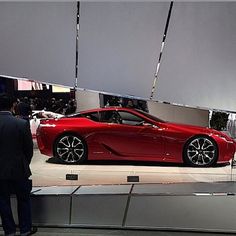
(49, 172)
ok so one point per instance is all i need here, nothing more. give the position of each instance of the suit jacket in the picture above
(16, 147)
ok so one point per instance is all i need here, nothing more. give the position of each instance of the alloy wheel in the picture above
(201, 151)
(70, 149)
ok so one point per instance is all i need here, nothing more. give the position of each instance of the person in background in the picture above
(70, 107)
(113, 101)
(130, 104)
(14, 106)
(52, 106)
(14, 169)
(23, 109)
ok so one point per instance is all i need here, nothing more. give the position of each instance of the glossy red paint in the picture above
(148, 140)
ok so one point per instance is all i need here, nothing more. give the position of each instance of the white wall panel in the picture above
(119, 45)
(38, 41)
(179, 114)
(87, 100)
(198, 66)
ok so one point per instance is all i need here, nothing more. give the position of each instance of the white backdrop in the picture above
(38, 41)
(119, 45)
(199, 60)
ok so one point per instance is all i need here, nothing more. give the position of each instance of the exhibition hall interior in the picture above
(132, 111)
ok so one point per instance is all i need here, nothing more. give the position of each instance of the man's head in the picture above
(5, 102)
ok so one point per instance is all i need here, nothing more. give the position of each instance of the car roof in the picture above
(116, 108)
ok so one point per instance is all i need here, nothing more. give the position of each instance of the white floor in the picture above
(49, 172)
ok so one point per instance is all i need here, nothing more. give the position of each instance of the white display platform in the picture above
(209, 207)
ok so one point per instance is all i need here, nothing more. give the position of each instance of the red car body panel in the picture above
(160, 141)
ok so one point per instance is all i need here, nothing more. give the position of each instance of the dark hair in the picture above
(5, 102)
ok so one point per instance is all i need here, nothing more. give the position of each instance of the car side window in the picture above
(128, 118)
(110, 117)
(92, 116)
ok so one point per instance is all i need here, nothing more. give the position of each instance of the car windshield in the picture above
(150, 116)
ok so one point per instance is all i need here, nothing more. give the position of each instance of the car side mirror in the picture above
(147, 124)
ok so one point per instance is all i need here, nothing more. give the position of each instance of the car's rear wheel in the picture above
(201, 151)
(70, 149)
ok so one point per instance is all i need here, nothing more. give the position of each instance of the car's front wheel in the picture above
(201, 151)
(70, 149)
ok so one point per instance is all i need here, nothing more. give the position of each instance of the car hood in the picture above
(198, 130)
(193, 129)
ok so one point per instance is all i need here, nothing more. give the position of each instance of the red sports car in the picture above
(128, 134)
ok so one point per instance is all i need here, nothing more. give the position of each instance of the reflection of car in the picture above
(128, 134)
(37, 116)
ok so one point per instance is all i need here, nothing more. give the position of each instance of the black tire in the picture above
(70, 149)
(200, 151)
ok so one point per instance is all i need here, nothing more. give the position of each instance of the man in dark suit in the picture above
(16, 151)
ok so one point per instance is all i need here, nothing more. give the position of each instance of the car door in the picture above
(129, 135)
